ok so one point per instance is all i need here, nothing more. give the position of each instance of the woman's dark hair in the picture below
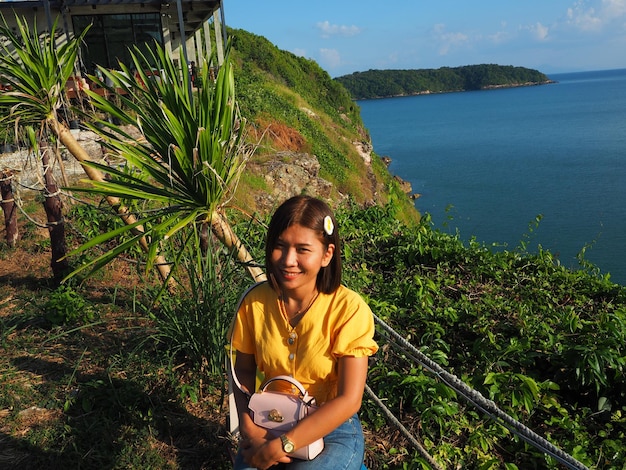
(311, 213)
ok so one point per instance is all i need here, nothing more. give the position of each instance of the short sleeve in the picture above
(243, 327)
(355, 335)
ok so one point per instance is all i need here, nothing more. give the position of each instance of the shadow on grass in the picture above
(88, 399)
(103, 422)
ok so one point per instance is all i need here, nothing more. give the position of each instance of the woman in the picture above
(304, 323)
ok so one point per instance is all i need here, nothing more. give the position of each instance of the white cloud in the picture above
(592, 16)
(499, 37)
(539, 31)
(327, 29)
(448, 40)
(583, 17)
(299, 52)
(613, 8)
(330, 58)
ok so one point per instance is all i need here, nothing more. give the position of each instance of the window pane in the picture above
(109, 39)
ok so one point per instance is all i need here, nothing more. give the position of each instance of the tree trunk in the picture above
(224, 233)
(8, 207)
(79, 153)
(54, 214)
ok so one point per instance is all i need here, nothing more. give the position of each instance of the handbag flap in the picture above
(276, 410)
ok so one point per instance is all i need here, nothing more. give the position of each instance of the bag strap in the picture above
(289, 379)
(231, 364)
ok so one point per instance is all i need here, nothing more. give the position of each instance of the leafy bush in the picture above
(67, 306)
(545, 343)
(193, 324)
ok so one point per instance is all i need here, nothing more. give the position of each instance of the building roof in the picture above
(194, 12)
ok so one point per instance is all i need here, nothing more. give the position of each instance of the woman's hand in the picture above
(263, 453)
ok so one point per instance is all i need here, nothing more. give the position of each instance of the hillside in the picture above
(310, 133)
(388, 83)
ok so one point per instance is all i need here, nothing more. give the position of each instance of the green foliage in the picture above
(545, 343)
(193, 324)
(304, 77)
(36, 69)
(386, 83)
(188, 162)
(67, 306)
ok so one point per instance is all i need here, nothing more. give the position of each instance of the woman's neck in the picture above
(297, 304)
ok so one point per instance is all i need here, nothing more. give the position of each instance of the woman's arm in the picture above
(352, 374)
(255, 440)
(245, 368)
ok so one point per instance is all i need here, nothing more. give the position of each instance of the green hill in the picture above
(388, 83)
(293, 106)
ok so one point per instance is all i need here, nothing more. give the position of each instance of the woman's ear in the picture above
(330, 251)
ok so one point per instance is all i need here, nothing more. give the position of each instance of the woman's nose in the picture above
(290, 258)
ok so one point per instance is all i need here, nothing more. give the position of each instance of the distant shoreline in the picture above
(486, 88)
(391, 83)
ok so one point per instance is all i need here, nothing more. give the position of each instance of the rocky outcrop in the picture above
(288, 174)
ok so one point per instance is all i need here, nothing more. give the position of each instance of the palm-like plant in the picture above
(189, 158)
(37, 71)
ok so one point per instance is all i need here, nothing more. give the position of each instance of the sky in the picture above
(346, 36)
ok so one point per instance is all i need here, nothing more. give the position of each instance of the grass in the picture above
(88, 396)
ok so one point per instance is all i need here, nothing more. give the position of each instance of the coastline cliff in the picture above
(309, 133)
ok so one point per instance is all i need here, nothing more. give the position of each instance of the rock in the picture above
(365, 150)
(288, 174)
(404, 185)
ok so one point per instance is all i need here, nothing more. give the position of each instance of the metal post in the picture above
(46, 6)
(224, 32)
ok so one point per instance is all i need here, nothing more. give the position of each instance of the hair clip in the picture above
(329, 227)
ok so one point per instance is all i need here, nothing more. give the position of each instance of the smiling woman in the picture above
(304, 324)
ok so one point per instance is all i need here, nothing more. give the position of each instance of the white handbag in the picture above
(279, 412)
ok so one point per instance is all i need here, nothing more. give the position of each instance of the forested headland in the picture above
(387, 83)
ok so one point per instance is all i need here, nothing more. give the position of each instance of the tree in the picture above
(187, 162)
(7, 201)
(36, 70)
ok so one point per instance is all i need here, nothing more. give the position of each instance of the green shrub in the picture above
(67, 306)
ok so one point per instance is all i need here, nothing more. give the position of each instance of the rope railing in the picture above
(475, 398)
(405, 432)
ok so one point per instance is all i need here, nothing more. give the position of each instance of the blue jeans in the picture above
(344, 449)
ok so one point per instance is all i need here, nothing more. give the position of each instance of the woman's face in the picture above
(298, 256)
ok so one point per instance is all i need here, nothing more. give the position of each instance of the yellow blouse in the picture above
(336, 325)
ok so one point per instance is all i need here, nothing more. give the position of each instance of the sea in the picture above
(518, 168)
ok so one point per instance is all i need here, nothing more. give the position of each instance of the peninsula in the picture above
(389, 83)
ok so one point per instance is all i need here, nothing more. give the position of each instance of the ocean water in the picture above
(487, 163)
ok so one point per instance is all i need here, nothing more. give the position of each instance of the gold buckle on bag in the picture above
(275, 416)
